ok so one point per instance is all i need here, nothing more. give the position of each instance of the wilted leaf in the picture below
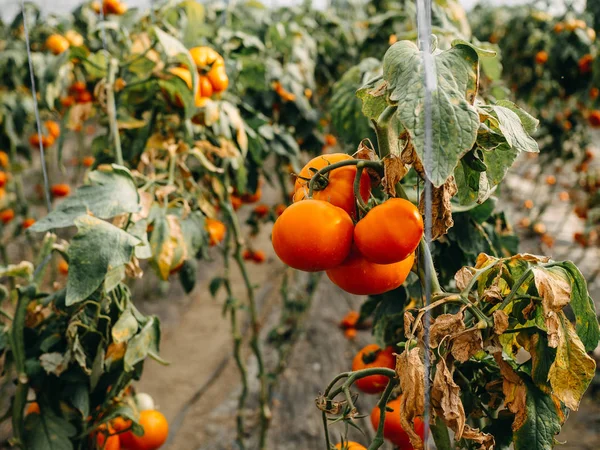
(463, 277)
(500, 321)
(553, 286)
(143, 344)
(515, 392)
(573, 369)
(54, 362)
(411, 371)
(485, 440)
(445, 397)
(394, 171)
(24, 270)
(466, 345)
(125, 328)
(445, 325)
(167, 239)
(441, 208)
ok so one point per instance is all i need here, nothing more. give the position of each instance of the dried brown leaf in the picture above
(485, 440)
(484, 260)
(553, 286)
(409, 321)
(515, 391)
(409, 157)
(411, 371)
(445, 398)
(463, 277)
(492, 295)
(500, 321)
(394, 170)
(445, 325)
(365, 151)
(441, 208)
(466, 345)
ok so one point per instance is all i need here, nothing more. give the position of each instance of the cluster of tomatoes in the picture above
(78, 93)
(52, 132)
(319, 233)
(372, 356)
(58, 43)
(212, 79)
(115, 7)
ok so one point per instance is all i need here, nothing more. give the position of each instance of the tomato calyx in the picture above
(319, 175)
(370, 357)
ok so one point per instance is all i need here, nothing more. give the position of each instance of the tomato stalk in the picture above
(382, 130)
(378, 439)
(376, 165)
(361, 203)
(112, 109)
(265, 413)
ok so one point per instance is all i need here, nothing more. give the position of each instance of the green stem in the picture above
(112, 109)
(382, 130)
(425, 260)
(377, 165)
(528, 273)
(439, 431)
(357, 178)
(378, 440)
(353, 376)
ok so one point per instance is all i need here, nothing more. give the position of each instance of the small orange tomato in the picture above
(95, 5)
(113, 7)
(53, 128)
(252, 198)
(313, 235)
(34, 140)
(78, 87)
(350, 333)
(359, 276)
(559, 27)
(88, 161)
(373, 356)
(7, 215)
(350, 320)
(539, 228)
(389, 232)
(27, 222)
(563, 196)
(392, 428)
(3, 179)
(107, 442)
(67, 101)
(156, 431)
(349, 445)
(594, 92)
(206, 88)
(63, 267)
(236, 202)
(261, 210)
(47, 141)
(216, 231)
(120, 84)
(541, 57)
(218, 78)
(84, 97)
(330, 140)
(585, 63)
(32, 408)
(258, 256)
(594, 119)
(60, 190)
(528, 204)
(4, 160)
(551, 180)
(57, 44)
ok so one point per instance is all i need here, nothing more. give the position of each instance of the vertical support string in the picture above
(37, 111)
(430, 85)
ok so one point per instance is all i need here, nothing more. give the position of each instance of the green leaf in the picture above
(542, 357)
(372, 95)
(80, 399)
(176, 50)
(143, 344)
(111, 192)
(388, 319)
(187, 275)
(573, 369)
(455, 120)
(215, 285)
(97, 247)
(530, 123)
(47, 431)
(512, 129)
(586, 320)
(346, 108)
(498, 161)
(542, 423)
(194, 14)
(125, 328)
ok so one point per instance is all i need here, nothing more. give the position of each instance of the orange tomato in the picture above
(114, 7)
(337, 186)
(107, 442)
(216, 231)
(4, 160)
(60, 190)
(528, 204)
(206, 88)
(53, 128)
(350, 320)
(236, 202)
(3, 179)
(389, 232)
(78, 87)
(392, 428)
(88, 161)
(349, 445)
(32, 408)
(350, 333)
(67, 101)
(559, 27)
(252, 198)
(313, 235)
(218, 78)
(156, 430)
(373, 356)
(261, 210)
(57, 44)
(541, 57)
(594, 119)
(359, 276)
(7, 215)
(585, 63)
(63, 267)
(84, 97)
(27, 222)
(330, 140)
(258, 256)
(594, 92)
(205, 56)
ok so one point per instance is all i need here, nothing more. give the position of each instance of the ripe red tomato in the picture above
(392, 428)
(7, 215)
(373, 356)
(60, 190)
(350, 319)
(359, 276)
(27, 222)
(339, 185)
(216, 231)
(389, 232)
(156, 431)
(3, 179)
(313, 235)
(349, 445)
(107, 442)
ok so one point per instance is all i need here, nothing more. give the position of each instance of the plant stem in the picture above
(237, 346)
(263, 398)
(382, 131)
(112, 109)
(377, 165)
(357, 178)
(378, 440)
(528, 273)
(439, 431)
(425, 259)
